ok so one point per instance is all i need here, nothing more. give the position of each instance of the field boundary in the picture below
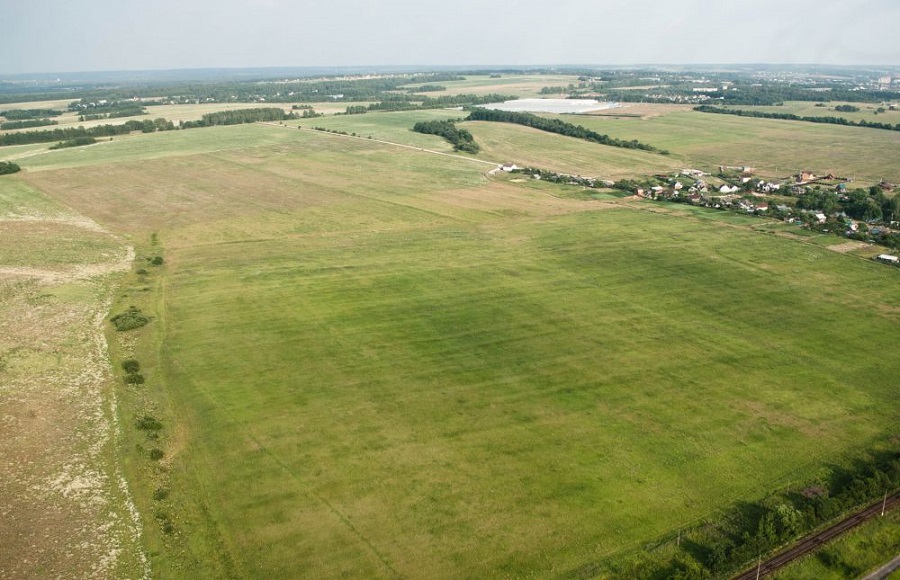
(815, 541)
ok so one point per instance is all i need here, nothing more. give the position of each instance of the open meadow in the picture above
(377, 361)
(775, 148)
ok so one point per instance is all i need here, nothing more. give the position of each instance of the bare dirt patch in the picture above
(848, 247)
(65, 508)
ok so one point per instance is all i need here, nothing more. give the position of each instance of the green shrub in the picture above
(148, 423)
(130, 319)
(160, 494)
(134, 379)
(156, 260)
(156, 454)
(8, 167)
(130, 365)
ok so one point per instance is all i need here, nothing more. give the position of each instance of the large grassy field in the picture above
(374, 361)
(775, 148)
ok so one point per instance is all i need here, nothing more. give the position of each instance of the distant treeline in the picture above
(402, 102)
(240, 116)
(461, 139)
(76, 142)
(235, 117)
(558, 127)
(27, 124)
(70, 133)
(22, 114)
(427, 88)
(792, 117)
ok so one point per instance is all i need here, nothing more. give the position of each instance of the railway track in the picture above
(815, 541)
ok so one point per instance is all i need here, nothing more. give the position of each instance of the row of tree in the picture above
(403, 102)
(69, 133)
(558, 127)
(749, 530)
(240, 116)
(27, 124)
(24, 114)
(461, 139)
(76, 142)
(792, 117)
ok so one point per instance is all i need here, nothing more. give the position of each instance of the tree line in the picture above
(792, 117)
(27, 124)
(461, 139)
(24, 114)
(240, 116)
(558, 127)
(70, 133)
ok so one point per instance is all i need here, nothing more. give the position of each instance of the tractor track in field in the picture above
(815, 541)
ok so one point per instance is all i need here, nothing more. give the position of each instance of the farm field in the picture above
(522, 85)
(375, 361)
(775, 148)
(867, 111)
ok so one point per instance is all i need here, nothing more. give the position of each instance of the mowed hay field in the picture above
(775, 148)
(376, 362)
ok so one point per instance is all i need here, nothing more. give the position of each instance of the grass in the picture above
(531, 147)
(808, 109)
(140, 147)
(374, 361)
(775, 148)
(434, 375)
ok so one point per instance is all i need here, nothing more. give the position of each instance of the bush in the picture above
(130, 365)
(148, 423)
(76, 142)
(130, 319)
(156, 454)
(160, 494)
(156, 260)
(134, 379)
(7, 167)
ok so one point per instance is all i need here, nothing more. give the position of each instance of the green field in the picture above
(377, 361)
(775, 148)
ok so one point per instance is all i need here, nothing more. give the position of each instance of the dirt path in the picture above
(65, 508)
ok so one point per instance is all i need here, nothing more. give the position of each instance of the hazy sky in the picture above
(88, 35)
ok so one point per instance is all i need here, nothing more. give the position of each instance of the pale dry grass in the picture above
(65, 508)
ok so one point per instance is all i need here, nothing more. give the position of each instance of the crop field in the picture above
(776, 148)
(867, 111)
(376, 361)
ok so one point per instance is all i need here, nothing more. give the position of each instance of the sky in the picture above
(103, 35)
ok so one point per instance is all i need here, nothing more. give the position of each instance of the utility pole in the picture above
(758, 567)
(883, 504)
